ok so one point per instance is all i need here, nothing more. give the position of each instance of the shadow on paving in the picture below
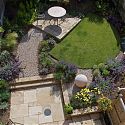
(56, 30)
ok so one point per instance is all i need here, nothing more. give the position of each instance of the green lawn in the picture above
(91, 42)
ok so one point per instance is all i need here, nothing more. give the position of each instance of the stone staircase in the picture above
(35, 81)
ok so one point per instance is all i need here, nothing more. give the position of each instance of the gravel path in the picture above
(28, 52)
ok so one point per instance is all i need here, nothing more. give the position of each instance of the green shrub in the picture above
(44, 46)
(68, 71)
(1, 123)
(68, 109)
(1, 29)
(2, 44)
(101, 66)
(96, 73)
(60, 67)
(12, 36)
(11, 41)
(51, 42)
(75, 103)
(3, 84)
(95, 67)
(104, 103)
(4, 56)
(43, 55)
(4, 95)
(44, 60)
(105, 72)
(26, 14)
(58, 75)
(4, 105)
(102, 6)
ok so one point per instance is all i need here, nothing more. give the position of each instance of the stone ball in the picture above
(81, 80)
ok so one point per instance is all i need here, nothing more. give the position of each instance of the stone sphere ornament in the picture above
(81, 80)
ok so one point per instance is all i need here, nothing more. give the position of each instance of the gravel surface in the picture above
(27, 52)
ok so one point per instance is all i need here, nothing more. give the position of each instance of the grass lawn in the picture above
(91, 42)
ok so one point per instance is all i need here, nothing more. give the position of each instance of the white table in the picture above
(56, 12)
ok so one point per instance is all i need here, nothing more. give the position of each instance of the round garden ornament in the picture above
(81, 80)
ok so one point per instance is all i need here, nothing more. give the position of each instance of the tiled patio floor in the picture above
(37, 106)
(43, 106)
(59, 30)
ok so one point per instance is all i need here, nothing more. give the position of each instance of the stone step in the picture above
(33, 79)
(24, 86)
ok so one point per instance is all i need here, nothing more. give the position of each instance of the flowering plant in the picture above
(104, 103)
(87, 97)
(66, 71)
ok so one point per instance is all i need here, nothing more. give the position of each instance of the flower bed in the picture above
(78, 112)
(87, 101)
(99, 94)
(46, 63)
(9, 70)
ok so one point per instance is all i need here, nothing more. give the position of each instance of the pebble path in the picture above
(27, 52)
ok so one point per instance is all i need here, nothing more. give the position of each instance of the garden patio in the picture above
(43, 104)
(41, 57)
(49, 25)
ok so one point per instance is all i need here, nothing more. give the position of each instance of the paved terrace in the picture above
(43, 106)
(41, 103)
(50, 26)
(37, 106)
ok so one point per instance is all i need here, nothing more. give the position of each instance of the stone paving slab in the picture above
(17, 97)
(30, 96)
(20, 110)
(30, 109)
(31, 120)
(35, 110)
(45, 119)
(18, 120)
(57, 111)
(59, 30)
